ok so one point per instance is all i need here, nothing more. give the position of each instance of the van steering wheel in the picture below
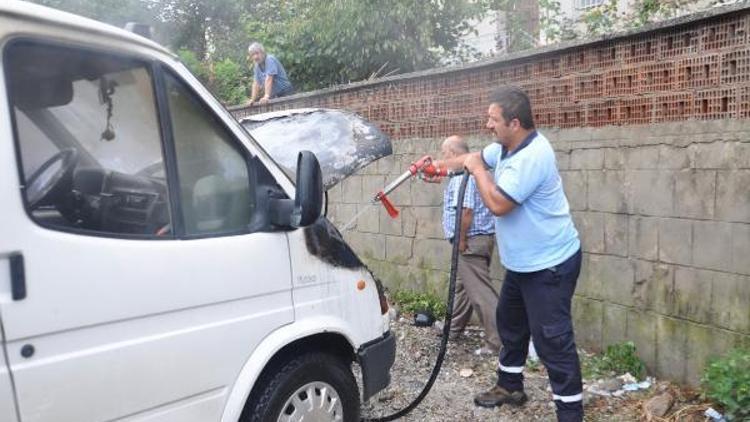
(46, 181)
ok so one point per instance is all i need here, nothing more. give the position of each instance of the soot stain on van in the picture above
(325, 241)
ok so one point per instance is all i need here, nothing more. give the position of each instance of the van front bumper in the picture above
(376, 359)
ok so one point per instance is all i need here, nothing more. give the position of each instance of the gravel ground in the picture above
(451, 398)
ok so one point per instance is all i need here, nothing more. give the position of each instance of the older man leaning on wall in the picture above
(269, 75)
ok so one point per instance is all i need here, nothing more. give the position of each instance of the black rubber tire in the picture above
(265, 406)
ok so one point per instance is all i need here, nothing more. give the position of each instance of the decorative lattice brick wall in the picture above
(696, 69)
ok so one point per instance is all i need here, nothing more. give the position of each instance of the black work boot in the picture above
(498, 396)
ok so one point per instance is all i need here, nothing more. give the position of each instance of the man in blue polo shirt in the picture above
(518, 181)
(268, 75)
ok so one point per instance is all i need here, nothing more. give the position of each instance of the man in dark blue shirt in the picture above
(268, 74)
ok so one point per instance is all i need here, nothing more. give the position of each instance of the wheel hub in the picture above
(313, 402)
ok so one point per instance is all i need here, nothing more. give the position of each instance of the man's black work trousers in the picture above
(537, 305)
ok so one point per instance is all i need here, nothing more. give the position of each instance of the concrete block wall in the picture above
(663, 212)
(652, 137)
(664, 216)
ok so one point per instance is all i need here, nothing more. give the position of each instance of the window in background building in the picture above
(586, 4)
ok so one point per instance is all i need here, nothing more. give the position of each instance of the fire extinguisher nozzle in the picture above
(389, 207)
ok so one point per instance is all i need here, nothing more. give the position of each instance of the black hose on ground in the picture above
(448, 314)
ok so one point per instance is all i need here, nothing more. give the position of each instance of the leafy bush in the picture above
(726, 381)
(199, 69)
(616, 360)
(225, 78)
(413, 302)
(323, 42)
(228, 82)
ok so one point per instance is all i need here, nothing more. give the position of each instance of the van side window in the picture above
(89, 139)
(215, 191)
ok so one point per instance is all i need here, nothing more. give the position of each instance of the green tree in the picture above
(198, 67)
(605, 19)
(226, 79)
(324, 42)
(647, 11)
(229, 82)
(212, 29)
(320, 42)
(602, 19)
(522, 21)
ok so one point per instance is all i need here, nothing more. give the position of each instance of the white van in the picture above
(156, 263)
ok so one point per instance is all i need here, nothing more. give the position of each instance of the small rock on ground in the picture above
(658, 406)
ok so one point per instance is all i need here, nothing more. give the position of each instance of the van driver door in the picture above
(130, 203)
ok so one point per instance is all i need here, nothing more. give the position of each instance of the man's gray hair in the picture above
(457, 144)
(255, 47)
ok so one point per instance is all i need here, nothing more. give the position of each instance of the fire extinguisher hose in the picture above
(448, 317)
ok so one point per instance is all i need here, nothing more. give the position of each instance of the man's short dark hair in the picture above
(515, 104)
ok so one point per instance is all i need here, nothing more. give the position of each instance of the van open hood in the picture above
(343, 141)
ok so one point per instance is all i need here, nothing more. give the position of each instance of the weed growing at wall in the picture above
(412, 302)
(618, 359)
(726, 381)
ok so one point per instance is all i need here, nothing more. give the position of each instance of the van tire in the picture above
(293, 374)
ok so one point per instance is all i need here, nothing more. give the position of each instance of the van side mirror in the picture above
(307, 204)
(308, 200)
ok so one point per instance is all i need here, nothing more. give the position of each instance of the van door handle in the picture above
(17, 277)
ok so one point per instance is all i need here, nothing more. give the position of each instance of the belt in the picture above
(450, 240)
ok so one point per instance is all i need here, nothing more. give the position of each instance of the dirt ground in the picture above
(464, 374)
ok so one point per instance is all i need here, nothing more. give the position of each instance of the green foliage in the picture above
(602, 19)
(323, 42)
(647, 11)
(319, 42)
(605, 18)
(554, 25)
(228, 83)
(550, 19)
(189, 59)
(225, 78)
(413, 302)
(616, 360)
(327, 42)
(644, 10)
(212, 29)
(726, 381)
(520, 25)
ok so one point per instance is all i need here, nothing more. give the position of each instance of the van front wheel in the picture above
(311, 387)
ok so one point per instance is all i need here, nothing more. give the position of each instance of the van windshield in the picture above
(85, 117)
